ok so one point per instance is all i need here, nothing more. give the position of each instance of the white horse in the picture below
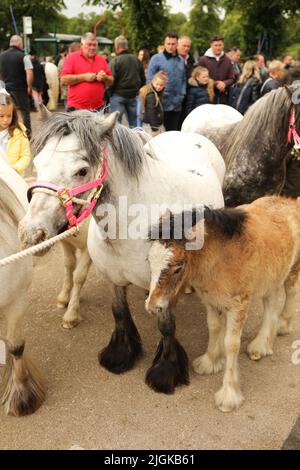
(22, 389)
(70, 149)
(207, 116)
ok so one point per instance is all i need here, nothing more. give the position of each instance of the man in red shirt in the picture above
(86, 73)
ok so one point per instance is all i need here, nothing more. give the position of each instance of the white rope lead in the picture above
(40, 247)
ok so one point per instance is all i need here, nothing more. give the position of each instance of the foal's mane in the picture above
(91, 132)
(9, 203)
(266, 120)
(224, 222)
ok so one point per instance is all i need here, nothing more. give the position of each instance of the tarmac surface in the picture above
(88, 407)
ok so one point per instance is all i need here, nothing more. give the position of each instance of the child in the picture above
(200, 90)
(14, 144)
(151, 99)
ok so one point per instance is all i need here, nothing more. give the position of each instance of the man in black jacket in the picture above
(129, 77)
(274, 81)
(16, 70)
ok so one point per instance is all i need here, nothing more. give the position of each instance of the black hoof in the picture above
(169, 371)
(121, 353)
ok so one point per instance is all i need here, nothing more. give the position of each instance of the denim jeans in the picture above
(124, 105)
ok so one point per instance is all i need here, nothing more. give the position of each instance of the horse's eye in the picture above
(82, 172)
(178, 270)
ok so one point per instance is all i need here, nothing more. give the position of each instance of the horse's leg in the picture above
(263, 343)
(230, 396)
(213, 360)
(22, 389)
(170, 365)
(72, 316)
(69, 264)
(125, 344)
(291, 289)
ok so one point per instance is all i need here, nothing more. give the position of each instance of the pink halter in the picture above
(66, 195)
(292, 130)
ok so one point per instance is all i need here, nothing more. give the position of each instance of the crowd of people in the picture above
(155, 92)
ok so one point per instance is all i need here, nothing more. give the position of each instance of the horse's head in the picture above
(168, 277)
(68, 152)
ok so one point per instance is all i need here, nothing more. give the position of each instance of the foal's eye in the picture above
(82, 172)
(178, 270)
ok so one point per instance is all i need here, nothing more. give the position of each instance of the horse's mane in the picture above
(267, 119)
(9, 203)
(90, 131)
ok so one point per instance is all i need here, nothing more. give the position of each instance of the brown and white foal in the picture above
(250, 253)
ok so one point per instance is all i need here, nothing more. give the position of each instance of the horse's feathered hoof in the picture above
(168, 371)
(121, 353)
(22, 392)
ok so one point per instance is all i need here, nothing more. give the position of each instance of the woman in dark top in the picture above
(247, 89)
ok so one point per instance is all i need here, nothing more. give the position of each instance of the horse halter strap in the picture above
(66, 196)
(292, 130)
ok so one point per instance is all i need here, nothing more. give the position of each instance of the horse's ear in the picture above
(109, 122)
(44, 113)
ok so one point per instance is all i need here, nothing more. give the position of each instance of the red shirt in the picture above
(85, 95)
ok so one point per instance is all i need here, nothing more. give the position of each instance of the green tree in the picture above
(44, 13)
(204, 22)
(178, 23)
(264, 23)
(232, 29)
(145, 21)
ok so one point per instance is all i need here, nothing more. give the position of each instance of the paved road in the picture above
(90, 408)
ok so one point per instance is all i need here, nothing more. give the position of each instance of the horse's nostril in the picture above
(39, 236)
(159, 309)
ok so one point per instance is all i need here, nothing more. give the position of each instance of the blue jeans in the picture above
(124, 105)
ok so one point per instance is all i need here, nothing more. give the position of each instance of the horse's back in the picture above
(210, 115)
(187, 152)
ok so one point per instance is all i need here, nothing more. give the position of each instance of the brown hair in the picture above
(210, 86)
(161, 75)
(15, 123)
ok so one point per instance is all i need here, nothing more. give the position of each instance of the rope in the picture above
(40, 247)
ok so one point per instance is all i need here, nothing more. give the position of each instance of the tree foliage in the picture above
(44, 13)
(264, 23)
(204, 22)
(145, 21)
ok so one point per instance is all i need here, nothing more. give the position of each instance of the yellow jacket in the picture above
(18, 150)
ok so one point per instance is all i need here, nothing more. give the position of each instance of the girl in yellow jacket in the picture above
(14, 144)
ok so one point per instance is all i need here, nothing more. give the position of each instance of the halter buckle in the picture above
(98, 192)
(64, 196)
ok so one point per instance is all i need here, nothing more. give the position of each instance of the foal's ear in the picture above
(109, 122)
(44, 113)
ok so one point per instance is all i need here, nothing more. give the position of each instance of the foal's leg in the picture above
(22, 389)
(213, 360)
(292, 291)
(170, 365)
(72, 316)
(230, 396)
(262, 345)
(69, 265)
(125, 346)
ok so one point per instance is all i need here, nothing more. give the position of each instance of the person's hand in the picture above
(29, 90)
(220, 86)
(101, 76)
(90, 77)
